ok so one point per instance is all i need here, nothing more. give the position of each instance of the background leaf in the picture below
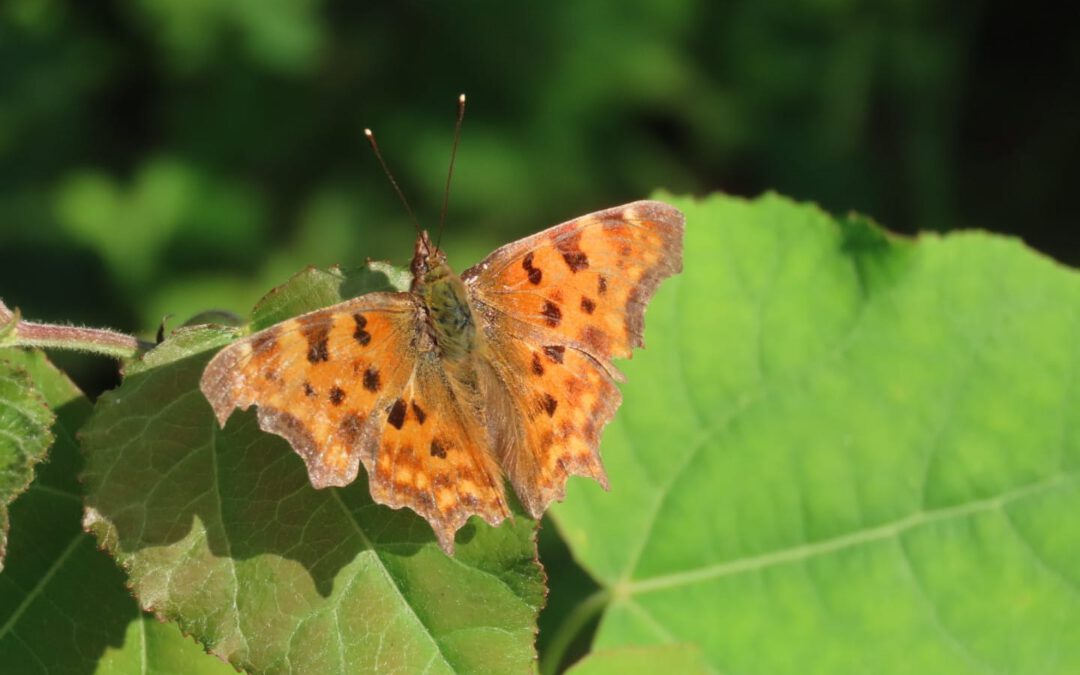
(859, 450)
(24, 438)
(63, 605)
(220, 531)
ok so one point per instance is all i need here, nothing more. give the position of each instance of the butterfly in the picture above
(444, 391)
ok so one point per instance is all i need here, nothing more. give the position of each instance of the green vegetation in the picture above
(842, 450)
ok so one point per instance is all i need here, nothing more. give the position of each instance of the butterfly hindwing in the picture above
(562, 398)
(433, 456)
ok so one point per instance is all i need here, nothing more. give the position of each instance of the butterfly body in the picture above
(442, 391)
(445, 300)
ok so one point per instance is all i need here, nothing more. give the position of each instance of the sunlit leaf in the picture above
(845, 452)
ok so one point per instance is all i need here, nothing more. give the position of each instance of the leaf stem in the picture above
(570, 628)
(14, 332)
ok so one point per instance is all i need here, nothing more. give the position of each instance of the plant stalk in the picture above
(14, 332)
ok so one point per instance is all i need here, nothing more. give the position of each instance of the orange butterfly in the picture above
(443, 390)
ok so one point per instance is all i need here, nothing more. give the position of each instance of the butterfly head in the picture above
(429, 262)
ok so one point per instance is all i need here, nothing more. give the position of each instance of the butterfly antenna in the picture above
(450, 173)
(378, 155)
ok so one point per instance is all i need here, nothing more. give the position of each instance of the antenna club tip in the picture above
(367, 132)
(461, 99)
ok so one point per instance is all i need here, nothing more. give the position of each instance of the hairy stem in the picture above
(570, 628)
(14, 332)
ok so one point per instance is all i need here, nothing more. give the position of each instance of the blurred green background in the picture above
(163, 157)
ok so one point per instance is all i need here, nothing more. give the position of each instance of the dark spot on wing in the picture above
(537, 367)
(318, 350)
(587, 305)
(337, 395)
(437, 449)
(596, 339)
(570, 248)
(316, 329)
(265, 343)
(371, 379)
(419, 412)
(549, 404)
(309, 390)
(552, 313)
(351, 428)
(601, 285)
(361, 335)
(555, 353)
(535, 274)
(397, 414)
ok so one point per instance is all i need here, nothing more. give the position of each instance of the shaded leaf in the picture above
(63, 604)
(313, 288)
(220, 531)
(858, 450)
(681, 659)
(24, 438)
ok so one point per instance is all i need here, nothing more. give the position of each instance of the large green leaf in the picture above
(63, 605)
(845, 452)
(24, 438)
(220, 531)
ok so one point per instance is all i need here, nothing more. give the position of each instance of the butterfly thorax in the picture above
(450, 317)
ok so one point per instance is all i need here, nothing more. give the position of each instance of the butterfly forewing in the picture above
(321, 380)
(586, 282)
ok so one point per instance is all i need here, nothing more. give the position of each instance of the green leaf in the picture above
(220, 531)
(857, 450)
(313, 288)
(63, 605)
(681, 659)
(24, 438)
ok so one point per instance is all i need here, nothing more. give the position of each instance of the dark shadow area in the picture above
(51, 558)
(568, 586)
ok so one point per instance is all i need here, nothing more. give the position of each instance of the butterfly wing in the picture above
(348, 384)
(557, 307)
(433, 457)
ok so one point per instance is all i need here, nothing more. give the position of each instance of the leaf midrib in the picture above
(389, 577)
(847, 540)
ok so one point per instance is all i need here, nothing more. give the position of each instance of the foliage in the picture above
(858, 449)
(63, 604)
(162, 158)
(855, 447)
